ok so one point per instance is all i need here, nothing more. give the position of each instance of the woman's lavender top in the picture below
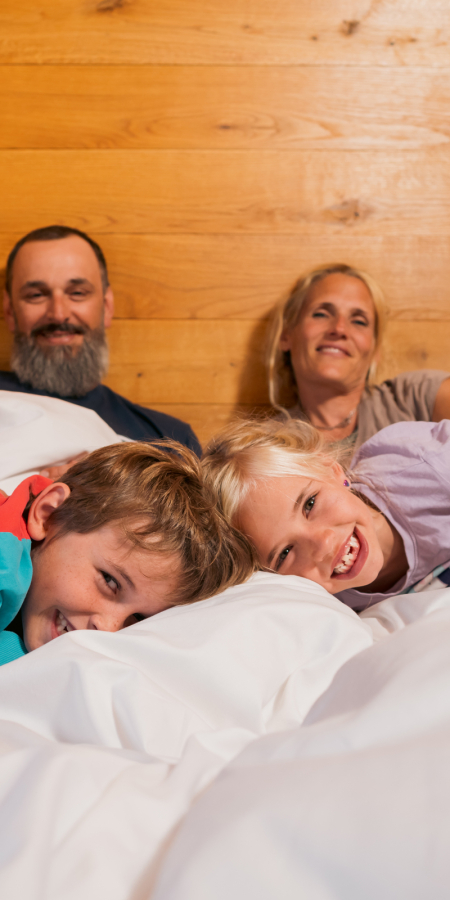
(405, 471)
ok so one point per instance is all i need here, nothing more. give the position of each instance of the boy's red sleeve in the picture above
(11, 508)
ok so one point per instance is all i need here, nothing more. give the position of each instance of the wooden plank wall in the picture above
(216, 149)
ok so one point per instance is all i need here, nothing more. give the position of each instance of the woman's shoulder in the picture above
(419, 382)
(408, 397)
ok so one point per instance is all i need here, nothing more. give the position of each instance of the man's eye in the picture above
(112, 582)
(283, 555)
(310, 503)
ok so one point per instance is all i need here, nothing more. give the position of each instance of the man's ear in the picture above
(109, 307)
(43, 506)
(8, 312)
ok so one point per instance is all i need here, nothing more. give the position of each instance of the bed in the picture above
(265, 743)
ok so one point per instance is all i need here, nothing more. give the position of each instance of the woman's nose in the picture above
(338, 326)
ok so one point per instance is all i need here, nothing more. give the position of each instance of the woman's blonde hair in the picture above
(282, 385)
(252, 450)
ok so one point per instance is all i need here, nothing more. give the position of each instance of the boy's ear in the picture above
(42, 507)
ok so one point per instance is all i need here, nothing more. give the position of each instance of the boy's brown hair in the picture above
(156, 492)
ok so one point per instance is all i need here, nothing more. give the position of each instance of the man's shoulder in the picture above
(140, 422)
(10, 382)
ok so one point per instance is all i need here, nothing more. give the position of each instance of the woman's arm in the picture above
(441, 409)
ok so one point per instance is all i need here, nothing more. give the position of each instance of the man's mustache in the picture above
(66, 327)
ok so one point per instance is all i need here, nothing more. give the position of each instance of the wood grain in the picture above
(222, 362)
(215, 107)
(242, 277)
(380, 32)
(231, 191)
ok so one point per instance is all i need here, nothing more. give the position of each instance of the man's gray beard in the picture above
(56, 369)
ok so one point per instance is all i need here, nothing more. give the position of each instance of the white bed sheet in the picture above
(355, 803)
(106, 739)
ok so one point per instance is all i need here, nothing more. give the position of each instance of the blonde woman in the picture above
(325, 345)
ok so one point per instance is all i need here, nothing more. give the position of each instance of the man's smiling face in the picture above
(57, 294)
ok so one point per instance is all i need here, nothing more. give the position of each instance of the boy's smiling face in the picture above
(98, 581)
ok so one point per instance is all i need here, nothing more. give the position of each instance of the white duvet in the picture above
(170, 761)
(266, 743)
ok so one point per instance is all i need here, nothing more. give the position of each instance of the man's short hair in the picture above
(56, 233)
(155, 492)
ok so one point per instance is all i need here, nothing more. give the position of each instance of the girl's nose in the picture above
(323, 545)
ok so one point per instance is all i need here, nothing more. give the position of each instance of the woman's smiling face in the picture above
(334, 339)
(314, 528)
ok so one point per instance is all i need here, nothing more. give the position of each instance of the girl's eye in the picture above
(283, 555)
(112, 583)
(310, 503)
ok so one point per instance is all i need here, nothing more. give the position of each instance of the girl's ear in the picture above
(42, 507)
(338, 472)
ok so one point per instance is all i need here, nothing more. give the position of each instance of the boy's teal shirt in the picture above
(16, 569)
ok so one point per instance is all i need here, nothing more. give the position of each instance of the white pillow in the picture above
(40, 431)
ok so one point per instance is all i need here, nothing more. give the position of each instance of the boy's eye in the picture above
(111, 581)
(283, 555)
(310, 503)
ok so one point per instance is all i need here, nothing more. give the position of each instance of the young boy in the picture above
(127, 532)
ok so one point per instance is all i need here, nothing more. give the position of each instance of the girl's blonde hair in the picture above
(282, 385)
(252, 450)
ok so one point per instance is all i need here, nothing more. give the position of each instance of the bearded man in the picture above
(58, 303)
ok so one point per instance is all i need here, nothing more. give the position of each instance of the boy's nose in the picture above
(106, 622)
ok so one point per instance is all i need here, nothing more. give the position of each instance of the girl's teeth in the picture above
(351, 552)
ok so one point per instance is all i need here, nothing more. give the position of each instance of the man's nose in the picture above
(58, 306)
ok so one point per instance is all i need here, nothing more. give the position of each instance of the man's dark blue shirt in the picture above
(123, 416)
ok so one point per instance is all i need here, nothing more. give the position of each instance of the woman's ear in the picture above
(285, 340)
(43, 506)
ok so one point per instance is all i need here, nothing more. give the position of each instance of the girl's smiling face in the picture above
(317, 529)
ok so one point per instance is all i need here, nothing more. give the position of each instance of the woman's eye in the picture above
(310, 503)
(319, 314)
(283, 555)
(360, 322)
(112, 583)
